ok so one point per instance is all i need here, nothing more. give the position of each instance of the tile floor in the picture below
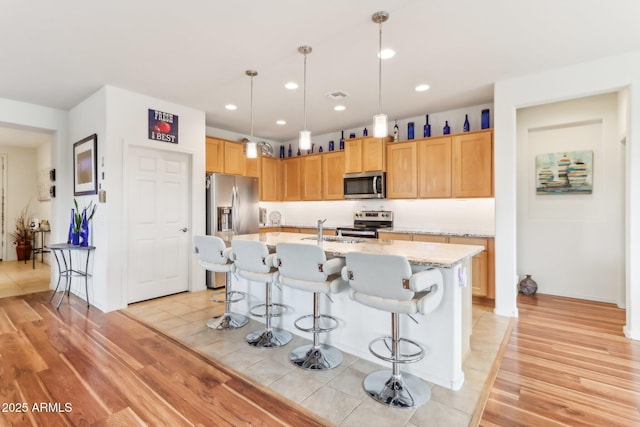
(335, 395)
(19, 278)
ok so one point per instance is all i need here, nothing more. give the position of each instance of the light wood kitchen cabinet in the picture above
(431, 238)
(311, 177)
(234, 158)
(214, 155)
(291, 188)
(332, 175)
(473, 164)
(402, 175)
(269, 229)
(480, 264)
(387, 235)
(434, 167)
(252, 167)
(365, 154)
(270, 179)
(290, 229)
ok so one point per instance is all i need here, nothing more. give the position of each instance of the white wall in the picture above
(44, 165)
(596, 77)
(572, 244)
(437, 215)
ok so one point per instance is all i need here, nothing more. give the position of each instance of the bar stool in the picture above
(214, 256)
(305, 267)
(253, 262)
(386, 282)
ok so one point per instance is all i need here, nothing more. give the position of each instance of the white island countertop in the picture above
(442, 255)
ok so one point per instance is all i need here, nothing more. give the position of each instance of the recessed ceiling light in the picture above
(291, 85)
(281, 122)
(422, 88)
(387, 53)
(231, 107)
(339, 108)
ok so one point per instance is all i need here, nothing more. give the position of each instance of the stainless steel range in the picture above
(367, 223)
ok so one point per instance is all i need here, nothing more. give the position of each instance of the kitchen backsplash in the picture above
(446, 215)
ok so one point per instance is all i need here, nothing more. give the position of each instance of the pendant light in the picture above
(251, 148)
(304, 142)
(380, 123)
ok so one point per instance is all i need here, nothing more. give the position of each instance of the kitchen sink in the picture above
(338, 239)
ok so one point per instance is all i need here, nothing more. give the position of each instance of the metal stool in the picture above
(253, 262)
(214, 256)
(305, 267)
(386, 282)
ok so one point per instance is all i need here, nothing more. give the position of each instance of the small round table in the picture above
(62, 252)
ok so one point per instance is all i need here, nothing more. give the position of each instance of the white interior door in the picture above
(158, 217)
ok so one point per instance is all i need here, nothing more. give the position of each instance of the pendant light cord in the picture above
(380, 70)
(251, 108)
(304, 92)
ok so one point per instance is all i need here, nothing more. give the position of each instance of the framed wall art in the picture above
(569, 172)
(85, 166)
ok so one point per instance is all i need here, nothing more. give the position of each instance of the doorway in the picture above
(159, 200)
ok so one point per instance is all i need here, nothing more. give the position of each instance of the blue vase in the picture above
(427, 128)
(466, 127)
(75, 238)
(365, 132)
(69, 238)
(331, 146)
(410, 130)
(320, 150)
(342, 141)
(485, 119)
(84, 230)
(446, 130)
(290, 152)
(282, 151)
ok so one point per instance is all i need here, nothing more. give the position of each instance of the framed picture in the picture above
(85, 166)
(570, 172)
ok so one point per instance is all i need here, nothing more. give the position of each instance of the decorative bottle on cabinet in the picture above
(342, 140)
(410, 130)
(396, 132)
(465, 127)
(446, 130)
(427, 127)
(485, 119)
(298, 153)
(365, 132)
(290, 153)
(282, 151)
(331, 146)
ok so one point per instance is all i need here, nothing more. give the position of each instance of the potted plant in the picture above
(23, 235)
(80, 223)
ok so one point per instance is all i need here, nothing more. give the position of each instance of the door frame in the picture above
(126, 154)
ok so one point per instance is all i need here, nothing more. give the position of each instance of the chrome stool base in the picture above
(321, 358)
(227, 321)
(273, 337)
(402, 391)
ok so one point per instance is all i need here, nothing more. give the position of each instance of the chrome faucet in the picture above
(320, 233)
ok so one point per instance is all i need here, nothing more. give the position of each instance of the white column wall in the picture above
(606, 75)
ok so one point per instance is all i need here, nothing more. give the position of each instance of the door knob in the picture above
(184, 229)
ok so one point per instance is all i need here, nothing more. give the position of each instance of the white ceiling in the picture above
(195, 53)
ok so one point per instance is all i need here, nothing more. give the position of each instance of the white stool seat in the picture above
(214, 256)
(253, 262)
(387, 283)
(305, 267)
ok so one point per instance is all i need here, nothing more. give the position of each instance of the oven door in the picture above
(357, 232)
(370, 185)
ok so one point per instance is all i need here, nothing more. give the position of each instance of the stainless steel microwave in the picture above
(368, 185)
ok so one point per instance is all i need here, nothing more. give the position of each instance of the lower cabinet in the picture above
(482, 267)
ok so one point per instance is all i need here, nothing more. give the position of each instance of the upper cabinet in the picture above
(472, 155)
(270, 179)
(214, 154)
(402, 181)
(311, 177)
(332, 175)
(365, 154)
(234, 158)
(291, 179)
(434, 167)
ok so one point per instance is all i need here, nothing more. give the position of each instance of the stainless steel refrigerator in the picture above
(232, 208)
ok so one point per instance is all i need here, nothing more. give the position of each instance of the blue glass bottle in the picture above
(70, 238)
(427, 128)
(331, 146)
(320, 150)
(410, 132)
(342, 141)
(84, 230)
(282, 151)
(299, 153)
(446, 130)
(290, 153)
(465, 127)
(485, 119)
(365, 132)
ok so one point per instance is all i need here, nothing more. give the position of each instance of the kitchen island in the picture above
(444, 333)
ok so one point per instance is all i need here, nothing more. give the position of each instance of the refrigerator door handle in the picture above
(234, 210)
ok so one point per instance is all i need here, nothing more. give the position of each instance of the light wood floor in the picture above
(567, 362)
(79, 366)
(19, 278)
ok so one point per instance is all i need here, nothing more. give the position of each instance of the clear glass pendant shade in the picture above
(252, 150)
